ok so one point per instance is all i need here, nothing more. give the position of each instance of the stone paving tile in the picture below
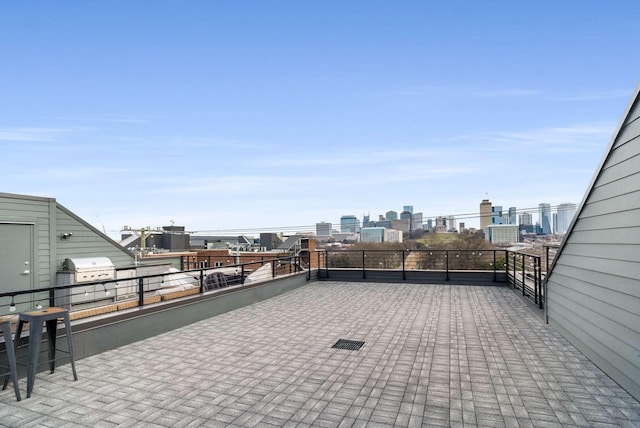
(434, 355)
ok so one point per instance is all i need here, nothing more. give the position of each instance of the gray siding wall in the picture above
(86, 241)
(593, 291)
(50, 220)
(32, 211)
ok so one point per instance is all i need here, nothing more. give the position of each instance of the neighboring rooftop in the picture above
(433, 355)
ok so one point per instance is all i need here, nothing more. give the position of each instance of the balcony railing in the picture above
(520, 271)
(99, 297)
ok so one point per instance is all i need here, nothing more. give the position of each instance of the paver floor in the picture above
(434, 355)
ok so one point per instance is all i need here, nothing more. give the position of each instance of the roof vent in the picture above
(351, 345)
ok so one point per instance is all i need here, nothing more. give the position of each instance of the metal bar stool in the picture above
(5, 325)
(50, 318)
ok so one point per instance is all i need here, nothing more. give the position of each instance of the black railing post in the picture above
(446, 263)
(52, 296)
(140, 291)
(540, 304)
(495, 273)
(404, 272)
(309, 267)
(523, 274)
(241, 274)
(364, 272)
(201, 281)
(273, 268)
(547, 260)
(181, 262)
(515, 261)
(535, 280)
(506, 269)
(326, 263)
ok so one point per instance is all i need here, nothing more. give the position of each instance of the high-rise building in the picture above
(565, 214)
(544, 211)
(408, 208)
(512, 215)
(323, 229)
(496, 214)
(391, 215)
(485, 213)
(526, 219)
(451, 223)
(406, 215)
(349, 224)
(366, 222)
(416, 220)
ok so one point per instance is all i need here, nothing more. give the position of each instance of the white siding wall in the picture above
(593, 291)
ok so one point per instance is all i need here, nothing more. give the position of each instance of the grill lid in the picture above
(87, 264)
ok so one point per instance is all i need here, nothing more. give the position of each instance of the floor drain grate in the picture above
(351, 345)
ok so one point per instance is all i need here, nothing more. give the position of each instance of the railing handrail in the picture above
(134, 278)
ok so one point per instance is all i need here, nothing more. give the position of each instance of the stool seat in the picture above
(5, 325)
(49, 317)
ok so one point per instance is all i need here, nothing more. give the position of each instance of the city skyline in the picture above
(225, 116)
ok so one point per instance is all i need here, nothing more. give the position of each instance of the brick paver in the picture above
(435, 355)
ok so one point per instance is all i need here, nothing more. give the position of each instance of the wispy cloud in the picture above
(507, 92)
(32, 134)
(213, 143)
(572, 138)
(72, 173)
(126, 119)
(500, 93)
(594, 96)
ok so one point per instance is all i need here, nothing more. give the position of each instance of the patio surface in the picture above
(434, 355)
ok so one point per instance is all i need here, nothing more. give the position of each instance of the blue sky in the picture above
(258, 114)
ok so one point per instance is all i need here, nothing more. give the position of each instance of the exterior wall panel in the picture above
(629, 235)
(50, 220)
(593, 289)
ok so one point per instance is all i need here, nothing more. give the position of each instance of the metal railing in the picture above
(522, 271)
(141, 290)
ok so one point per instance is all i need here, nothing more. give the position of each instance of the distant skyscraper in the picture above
(485, 213)
(512, 215)
(349, 224)
(565, 214)
(451, 223)
(391, 215)
(526, 219)
(323, 229)
(366, 222)
(496, 214)
(544, 211)
(416, 220)
(408, 208)
(406, 215)
(429, 224)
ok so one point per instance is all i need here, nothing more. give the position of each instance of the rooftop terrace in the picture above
(434, 355)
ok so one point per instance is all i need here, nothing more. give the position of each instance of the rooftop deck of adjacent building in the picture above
(434, 355)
